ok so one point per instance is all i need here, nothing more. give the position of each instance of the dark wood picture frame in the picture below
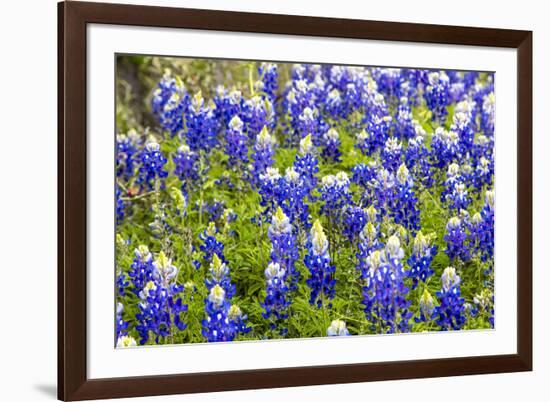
(73, 383)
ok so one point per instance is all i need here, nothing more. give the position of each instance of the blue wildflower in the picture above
(450, 312)
(210, 245)
(284, 248)
(277, 299)
(384, 293)
(151, 170)
(436, 94)
(321, 281)
(262, 156)
(391, 154)
(426, 307)
(307, 165)
(186, 167)
(201, 125)
(236, 144)
(269, 76)
(456, 238)
(421, 259)
(161, 307)
(127, 155)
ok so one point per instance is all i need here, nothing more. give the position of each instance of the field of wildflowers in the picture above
(266, 201)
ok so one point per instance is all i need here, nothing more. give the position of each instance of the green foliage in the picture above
(247, 247)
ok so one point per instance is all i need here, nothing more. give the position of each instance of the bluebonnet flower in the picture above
(218, 274)
(262, 156)
(462, 125)
(321, 281)
(258, 114)
(284, 248)
(235, 145)
(210, 245)
(293, 199)
(163, 93)
(120, 324)
(403, 203)
(450, 312)
(127, 155)
(455, 193)
(488, 114)
(384, 190)
(277, 299)
(404, 126)
(337, 328)
(269, 75)
(272, 187)
(121, 283)
(186, 167)
(331, 144)
(120, 206)
(364, 174)
(483, 146)
(217, 326)
(239, 319)
(352, 99)
(417, 161)
(301, 115)
(375, 135)
(375, 105)
(458, 198)
(389, 81)
(201, 125)
(384, 293)
(426, 307)
(223, 321)
(125, 341)
(161, 307)
(436, 94)
(421, 259)
(335, 194)
(334, 105)
(369, 241)
(310, 122)
(171, 116)
(484, 172)
(142, 270)
(456, 238)
(354, 220)
(306, 164)
(445, 147)
(164, 90)
(456, 91)
(151, 169)
(391, 154)
(482, 237)
(453, 177)
(227, 105)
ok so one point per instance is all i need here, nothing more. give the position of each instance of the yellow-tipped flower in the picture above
(403, 174)
(306, 145)
(318, 238)
(198, 101)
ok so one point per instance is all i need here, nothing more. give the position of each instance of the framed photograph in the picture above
(253, 200)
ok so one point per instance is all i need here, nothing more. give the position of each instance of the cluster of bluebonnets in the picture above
(307, 200)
